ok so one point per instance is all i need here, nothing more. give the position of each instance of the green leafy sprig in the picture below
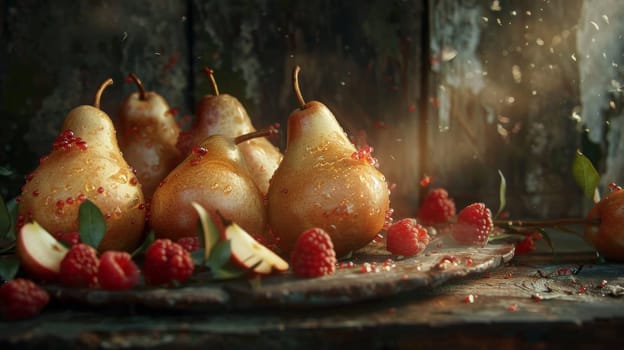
(9, 263)
(91, 227)
(216, 252)
(586, 177)
(91, 224)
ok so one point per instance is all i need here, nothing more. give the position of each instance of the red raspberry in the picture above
(407, 238)
(269, 240)
(79, 267)
(436, 208)
(21, 298)
(167, 262)
(191, 243)
(117, 271)
(474, 225)
(527, 245)
(313, 254)
(69, 238)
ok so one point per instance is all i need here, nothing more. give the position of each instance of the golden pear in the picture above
(148, 133)
(223, 114)
(322, 182)
(86, 163)
(216, 177)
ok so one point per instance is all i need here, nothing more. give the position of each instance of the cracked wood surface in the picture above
(579, 306)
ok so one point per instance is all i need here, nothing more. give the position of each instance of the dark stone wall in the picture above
(54, 55)
(364, 59)
(509, 89)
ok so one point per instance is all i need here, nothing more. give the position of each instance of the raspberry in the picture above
(527, 245)
(79, 267)
(313, 254)
(191, 243)
(407, 238)
(167, 262)
(474, 224)
(69, 238)
(117, 271)
(21, 298)
(436, 208)
(269, 240)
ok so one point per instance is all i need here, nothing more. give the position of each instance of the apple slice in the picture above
(249, 253)
(40, 254)
(209, 228)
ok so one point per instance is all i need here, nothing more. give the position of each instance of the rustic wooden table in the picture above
(537, 301)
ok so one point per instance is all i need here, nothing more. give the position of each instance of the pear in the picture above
(323, 182)
(224, 114)
(86, 163)
(148, 133)
(215, 176)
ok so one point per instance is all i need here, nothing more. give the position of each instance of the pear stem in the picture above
(137, 81)
(271, 130)
(547, 223)
(210, 73)
(98, 94)
(295, 81)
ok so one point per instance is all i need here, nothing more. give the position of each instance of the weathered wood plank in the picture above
(440, 317)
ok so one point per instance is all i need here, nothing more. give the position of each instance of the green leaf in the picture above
(585, 174)
(8, 267)
(91, 224)
(9, 247)
(501, 194)
(5, 219)
(548, 240)
(505, 237)
(220, 255)
(229, 272)
(12, 207)
(149, 239)
(198, 257)
(210, 231)
(202, 243)
(200, 234)
(4, 171)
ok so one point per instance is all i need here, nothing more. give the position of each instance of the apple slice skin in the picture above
(40, 254)
(249, 253)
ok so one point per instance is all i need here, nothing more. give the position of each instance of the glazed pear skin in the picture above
(224, 114)
(93, 170)
(148, 133)
(320, 184)
(215, 176)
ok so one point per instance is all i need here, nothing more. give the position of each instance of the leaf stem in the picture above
(8, 248)
(546, 223)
